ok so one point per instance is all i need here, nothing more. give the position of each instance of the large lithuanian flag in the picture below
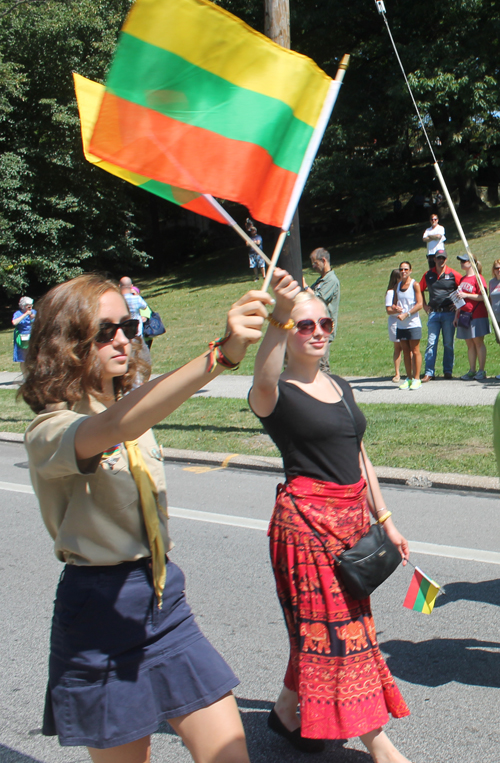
(198, 100)
(89, 97)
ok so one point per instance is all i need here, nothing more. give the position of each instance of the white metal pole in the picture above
(453, 211)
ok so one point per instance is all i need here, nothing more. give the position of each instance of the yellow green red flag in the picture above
(197, 99)
(422, 593)
(89, 96)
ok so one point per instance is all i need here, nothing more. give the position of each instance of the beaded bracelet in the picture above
(216, 355)
(286, 326)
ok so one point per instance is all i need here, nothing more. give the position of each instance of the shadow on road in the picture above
(487, 591)
(266, 747)
(440, 661)
(8, 755)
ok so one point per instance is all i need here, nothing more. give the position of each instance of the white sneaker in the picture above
(480, 376)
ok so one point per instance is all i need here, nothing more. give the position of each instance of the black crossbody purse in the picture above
(373, 558)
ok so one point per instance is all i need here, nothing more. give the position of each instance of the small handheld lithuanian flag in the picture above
(422, 593)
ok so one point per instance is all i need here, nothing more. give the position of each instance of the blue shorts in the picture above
(118, 665)
(478, 327)
(255, 260)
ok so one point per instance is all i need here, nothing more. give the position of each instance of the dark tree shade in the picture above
(58, 215)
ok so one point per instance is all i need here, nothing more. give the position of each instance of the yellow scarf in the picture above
(149, 503)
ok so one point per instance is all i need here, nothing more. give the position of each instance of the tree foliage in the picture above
(375, 147)
(58, 215)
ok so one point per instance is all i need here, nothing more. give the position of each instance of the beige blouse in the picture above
(94, 517)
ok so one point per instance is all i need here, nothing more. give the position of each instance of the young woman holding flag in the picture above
(126, 652)
(336, 673)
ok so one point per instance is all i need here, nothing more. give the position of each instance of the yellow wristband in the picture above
(286, 326)
(384, 517)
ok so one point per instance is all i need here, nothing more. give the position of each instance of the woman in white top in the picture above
(392, 309)
(409, 329)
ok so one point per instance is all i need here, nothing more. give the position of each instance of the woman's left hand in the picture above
(398, 540)
(403, 316)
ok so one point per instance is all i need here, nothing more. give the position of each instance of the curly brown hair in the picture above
(62, 364)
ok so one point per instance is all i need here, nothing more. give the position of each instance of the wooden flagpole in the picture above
(274, 259)
(220, 209)
(306, 165)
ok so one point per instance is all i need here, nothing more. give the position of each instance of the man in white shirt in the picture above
(434, 236)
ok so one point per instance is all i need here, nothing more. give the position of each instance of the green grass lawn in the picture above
(392, 439)
(193, 299)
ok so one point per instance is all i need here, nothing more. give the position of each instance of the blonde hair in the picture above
(305, 296)
(496, 263)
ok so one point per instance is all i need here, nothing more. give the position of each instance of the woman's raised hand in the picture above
(285, 290)
(244, 323)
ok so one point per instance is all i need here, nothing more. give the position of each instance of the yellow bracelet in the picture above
(286, 326)
(384, 517)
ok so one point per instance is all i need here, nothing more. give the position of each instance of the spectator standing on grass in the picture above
(494, 292)
(135, 304)
(145, 315)
(393, 309)
(409, 326)
(440, 281)
(476, 315)
(327, 288)
(434, 236)
(22, 320)
(255, 261)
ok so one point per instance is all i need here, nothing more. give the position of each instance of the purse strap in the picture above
(308, 522)
(340, 392)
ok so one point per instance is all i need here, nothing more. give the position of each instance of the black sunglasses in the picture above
(307, 326)
(107, 331)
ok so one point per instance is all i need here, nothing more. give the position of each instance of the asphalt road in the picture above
(446, 664)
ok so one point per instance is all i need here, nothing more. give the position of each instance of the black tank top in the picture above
(316, 439)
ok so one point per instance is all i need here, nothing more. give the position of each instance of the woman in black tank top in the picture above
(336, 673)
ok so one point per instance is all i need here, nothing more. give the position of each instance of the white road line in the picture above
(417, 547)
(219, 519)
(455, 552)
(12, 487)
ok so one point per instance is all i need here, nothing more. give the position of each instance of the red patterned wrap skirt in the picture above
(344, 685)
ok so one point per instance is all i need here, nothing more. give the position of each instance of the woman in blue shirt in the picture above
(22, 321)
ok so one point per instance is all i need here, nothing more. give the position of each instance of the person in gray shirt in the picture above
(327, 287)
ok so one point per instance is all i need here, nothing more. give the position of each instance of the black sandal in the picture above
(294, 737)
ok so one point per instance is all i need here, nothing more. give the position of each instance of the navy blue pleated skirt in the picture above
(118, 665)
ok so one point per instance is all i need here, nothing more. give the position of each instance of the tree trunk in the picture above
(469, 198)
(277, 27)
(493, 198)
(277, 21)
